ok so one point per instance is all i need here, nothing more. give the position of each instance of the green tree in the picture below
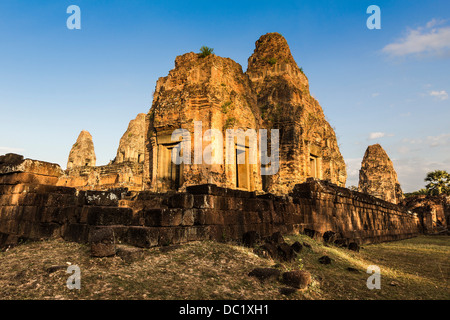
(438, 182)
(422, 191)
(205, 51)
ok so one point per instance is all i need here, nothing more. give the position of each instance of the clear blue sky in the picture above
(389, 86)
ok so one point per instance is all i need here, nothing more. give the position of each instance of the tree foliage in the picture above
(438, 182)
(206, 51)
(416, 193)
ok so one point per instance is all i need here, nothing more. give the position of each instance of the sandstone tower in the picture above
(131, 146)
(215, 91)
(82, 152)
(377, 176)
(272, 94)
(308, 144)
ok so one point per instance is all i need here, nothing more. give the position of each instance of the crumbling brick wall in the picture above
(30, 209)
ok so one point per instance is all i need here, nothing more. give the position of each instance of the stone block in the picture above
(103, 242)
(188, 217)
(204, 201)
(108, 215)
(181, 200)
(77, 232)
(144, 237)
(298, 279)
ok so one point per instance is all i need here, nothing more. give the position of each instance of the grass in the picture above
(229, 123)
(226, 106)
(272, 61)
(410, 269)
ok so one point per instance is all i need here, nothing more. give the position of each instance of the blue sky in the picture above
(388, 86)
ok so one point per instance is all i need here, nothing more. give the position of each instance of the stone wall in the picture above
(353, 215)
(31, 210)
(433, 211)
(111, 176)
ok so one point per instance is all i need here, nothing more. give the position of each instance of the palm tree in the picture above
(438, 182)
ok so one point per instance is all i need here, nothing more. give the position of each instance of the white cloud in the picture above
(411, 171)
(435, 22)
(440, 140)
(5, 150)
(429, 141)
(378, 135)
(376, 94)
(441, 95)
(428, 40)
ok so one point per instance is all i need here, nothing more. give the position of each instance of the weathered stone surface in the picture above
(14, 163)
(143, 236)
(102, 198)
(126, 171)
(276, 238)
(313, 234)
(325, 260)
(146, 219)
(129, 254)
(286, 253)
(265, 273)
(270, 249)
(433, 211)
(297, 246)
(377, 176)
(250, 238)
(297, 279)
(214, 90)
(112, 176)
(103, 216)
(132, 144)
(329, 237)
(102, 249)
(353, 246)
(103, 242)
(308, 144)
(82, 152)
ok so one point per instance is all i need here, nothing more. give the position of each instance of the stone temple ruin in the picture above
(272, 94)
(377, 176)
(126, 170)
(144, 199)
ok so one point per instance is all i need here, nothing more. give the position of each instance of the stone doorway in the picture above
(170, 174)
(313, 168)
(242, 167)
